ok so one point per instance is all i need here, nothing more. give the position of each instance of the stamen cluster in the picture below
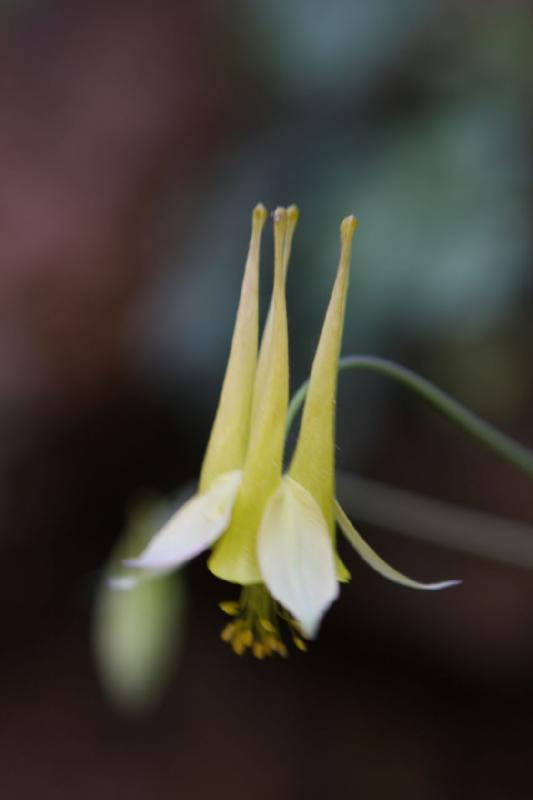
(256, 624)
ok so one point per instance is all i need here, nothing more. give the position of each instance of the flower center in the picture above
(257, 622)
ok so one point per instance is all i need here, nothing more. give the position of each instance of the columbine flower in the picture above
(272, 533)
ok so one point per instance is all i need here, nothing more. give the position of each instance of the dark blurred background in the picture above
(135, 137)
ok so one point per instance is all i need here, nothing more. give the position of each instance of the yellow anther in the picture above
(275, 645)
(238, 646)
(281, 650)
(256, 624)
(299, 643)
(295, 625)
(228, 632)
(230, 607)
(259, 650)
(267, 625)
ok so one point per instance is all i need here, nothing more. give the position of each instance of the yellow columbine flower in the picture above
(273, 534)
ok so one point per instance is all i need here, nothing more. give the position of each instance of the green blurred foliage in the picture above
(138, 628)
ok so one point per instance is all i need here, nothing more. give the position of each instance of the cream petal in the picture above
(296, 556)
(193, 528)
(372, 559)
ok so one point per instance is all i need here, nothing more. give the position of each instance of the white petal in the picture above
(296, 556)
(377, 563)
(193, 528)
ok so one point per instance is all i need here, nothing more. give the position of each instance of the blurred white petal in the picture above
(137, 636)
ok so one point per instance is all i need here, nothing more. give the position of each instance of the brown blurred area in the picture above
(110, 115)
(102, 107)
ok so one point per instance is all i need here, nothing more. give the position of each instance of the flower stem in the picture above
(518, 455)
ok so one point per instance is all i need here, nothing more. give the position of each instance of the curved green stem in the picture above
(507, 448)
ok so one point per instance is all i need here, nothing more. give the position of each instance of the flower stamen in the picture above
(256, 624)
(230, 607)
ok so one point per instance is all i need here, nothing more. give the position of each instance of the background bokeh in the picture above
(135, 137)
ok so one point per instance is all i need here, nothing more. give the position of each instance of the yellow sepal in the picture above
(313, 463)
(343, 573)
(228, 442)
(234, 557)
(261, 374)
